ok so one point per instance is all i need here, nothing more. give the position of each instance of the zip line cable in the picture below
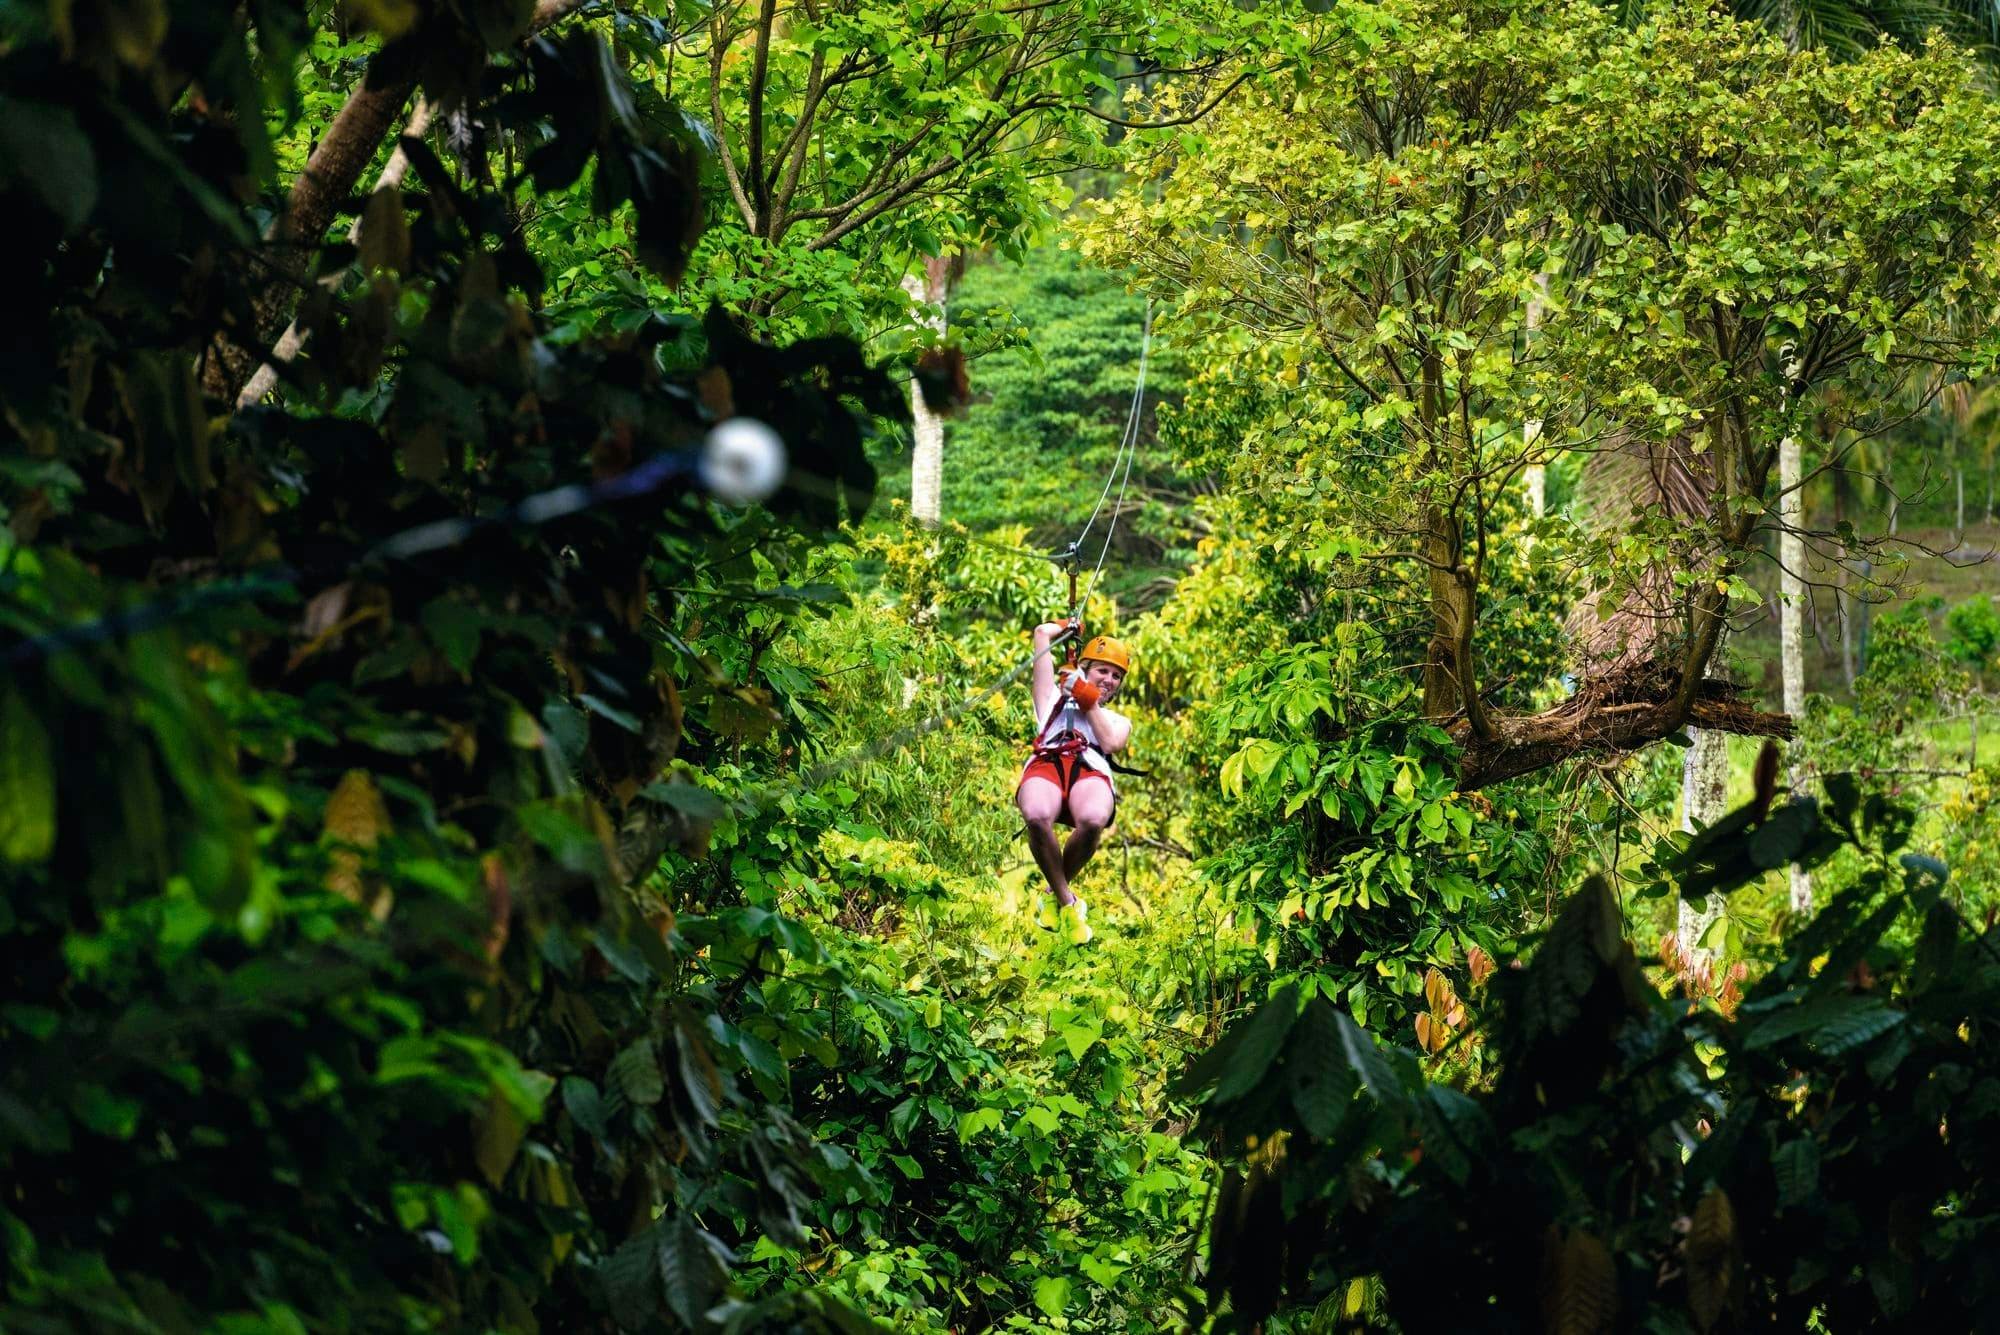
(1129, 447)
(1127, 438)
(902, 737)
(1131, 431)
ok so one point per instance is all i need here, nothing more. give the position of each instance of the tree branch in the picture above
(1613, 714)
(754, 142)
(718, 47)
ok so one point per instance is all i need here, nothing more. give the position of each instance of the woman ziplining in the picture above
(1067, 780)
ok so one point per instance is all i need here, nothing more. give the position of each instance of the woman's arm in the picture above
(1042, 680)
(1113, 730)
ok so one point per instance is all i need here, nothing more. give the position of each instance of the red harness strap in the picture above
(1063, 752)
(1068, 742)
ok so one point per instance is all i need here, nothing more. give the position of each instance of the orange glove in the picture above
(1085, 694)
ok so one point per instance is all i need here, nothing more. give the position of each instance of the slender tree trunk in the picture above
(1842, 599)
(927, 428)
(1889, 480)
(1863, 614)
(1531, 430)
(327, 179)
(1846, 635)
(1791, 620)
(1441, 684)
(294, 338)
(1704, 798)
(1958, 478)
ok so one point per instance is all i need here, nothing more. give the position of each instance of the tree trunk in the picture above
(1628, 692)
(1704, 798)
(1791, 620)
(294, 338)
(1958, 477)
(1846, 632)
(323, 185)
(927, 428)
(1441, 685)
(327, 179)
(1531, 430)
(1704, 778)
(1842, 599)
(1889, 480)
(1863, 613)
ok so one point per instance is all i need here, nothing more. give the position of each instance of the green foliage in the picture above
(990, 1110)
(456, 875)
(1909, 683)
(852, 142)
(1834, 1123)
(1362, 866)
(1368, 272)
(1974, 627)
(1457, 223)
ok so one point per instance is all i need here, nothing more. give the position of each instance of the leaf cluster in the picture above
(1636, 1164)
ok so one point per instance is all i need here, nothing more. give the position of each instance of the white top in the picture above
(1071, 718)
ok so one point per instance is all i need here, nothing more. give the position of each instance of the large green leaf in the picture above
(1263, 1035)
(629, 1278)
(44, 149)
(27, 783)
(1455, 1130)
(693, 1269)
(1322, 1082)
(637, 1071)
(1052, 1295)
(1780, 838)
(1367, 1062)
(1796, 1167)
(586, 1106)
(1830, 1024)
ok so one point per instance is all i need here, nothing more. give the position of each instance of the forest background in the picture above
(470, 866)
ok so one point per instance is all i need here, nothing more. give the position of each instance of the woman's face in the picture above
(1106, 677)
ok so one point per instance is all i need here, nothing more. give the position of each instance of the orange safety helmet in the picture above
(1104, 649)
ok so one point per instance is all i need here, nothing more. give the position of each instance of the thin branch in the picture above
(1188, 119)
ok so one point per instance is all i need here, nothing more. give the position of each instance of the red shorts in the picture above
(1066, 773)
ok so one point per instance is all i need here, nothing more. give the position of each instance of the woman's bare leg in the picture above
(1090, 805)
(1040, 802)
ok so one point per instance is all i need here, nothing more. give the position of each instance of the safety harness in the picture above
(1065, 749)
